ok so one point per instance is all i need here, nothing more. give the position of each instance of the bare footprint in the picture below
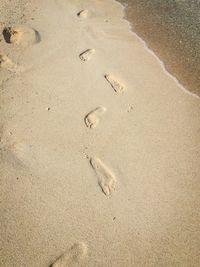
(6, 63)
(72, 256)
(83, 14)
(86, 55)
(116, 85)
(106, 178)
(93, 117)
(21, 35)
(15, 152)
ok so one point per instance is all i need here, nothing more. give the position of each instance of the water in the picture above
(171, 28)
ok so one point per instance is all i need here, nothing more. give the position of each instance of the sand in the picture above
(99, 145)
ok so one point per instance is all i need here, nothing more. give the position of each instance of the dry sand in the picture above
(100, 152)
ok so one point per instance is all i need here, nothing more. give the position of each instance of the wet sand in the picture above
(172, 30)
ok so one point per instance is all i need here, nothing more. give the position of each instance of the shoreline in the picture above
(136, 26)
(162, 64)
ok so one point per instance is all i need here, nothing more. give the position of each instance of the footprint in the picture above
(92, 118)
(83, 14)
(72, 257)
(86, 55)
(21, 152)
(6, 63)
(116, 85)
(130, 108)
(21, 35)
(106, 178)
(15, 152)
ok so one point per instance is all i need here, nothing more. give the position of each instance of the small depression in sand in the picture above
(21, 35)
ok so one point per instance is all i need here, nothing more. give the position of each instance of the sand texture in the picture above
(99, 145)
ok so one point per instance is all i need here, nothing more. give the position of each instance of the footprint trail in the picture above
(72, 257)
(93, 117)
(106, 178)
(115, 84)
(86, 55)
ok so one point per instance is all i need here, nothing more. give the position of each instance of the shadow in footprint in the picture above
(37, 37)
(72, 257)
(7, 35)
(83, 14)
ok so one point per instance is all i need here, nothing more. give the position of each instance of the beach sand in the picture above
(100, 152)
